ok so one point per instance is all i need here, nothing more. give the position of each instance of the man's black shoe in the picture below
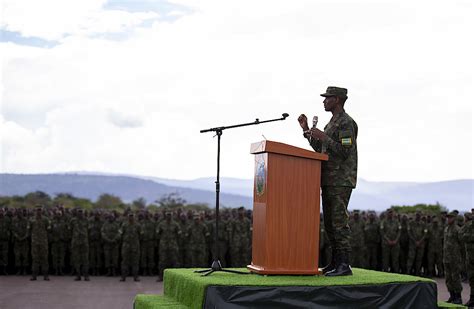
(342, 269)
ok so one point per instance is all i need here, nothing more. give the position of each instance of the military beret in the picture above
(452, 214)
(332, 91)
(468, 215)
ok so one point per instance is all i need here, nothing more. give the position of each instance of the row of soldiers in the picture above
(95, 242)
(425, 245)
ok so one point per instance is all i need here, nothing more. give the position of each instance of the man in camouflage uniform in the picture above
(168, 233)
(131, 232)
(197, 235)
(404, 243)
(182, 242)
(338, 175)
(110, 234)
(358, 254)
(39, 227)
(467, 236)
(417, 233)
(95, 244)
(5, 233)
(451, 259)
(390, 230)
(372, 241)
(147, 246)
(435, 247)
(20, 241)
(240, 233)
(80, 245)
(59, 228)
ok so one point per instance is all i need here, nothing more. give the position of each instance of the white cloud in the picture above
(407, 66)
(55, 19)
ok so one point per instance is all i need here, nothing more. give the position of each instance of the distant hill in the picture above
(455, 194)
(127, 188)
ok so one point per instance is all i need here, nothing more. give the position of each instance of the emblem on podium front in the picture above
(260, 178)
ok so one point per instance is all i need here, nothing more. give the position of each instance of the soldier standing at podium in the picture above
(338, 175)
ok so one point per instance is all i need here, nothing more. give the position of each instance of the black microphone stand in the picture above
(216, 264)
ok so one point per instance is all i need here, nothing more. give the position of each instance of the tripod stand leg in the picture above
(202, 271)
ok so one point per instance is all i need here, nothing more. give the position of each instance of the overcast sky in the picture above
(124, 86)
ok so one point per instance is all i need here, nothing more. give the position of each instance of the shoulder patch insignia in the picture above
(347, 141)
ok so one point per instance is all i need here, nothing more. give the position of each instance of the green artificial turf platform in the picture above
(183, 287)
(443, 304)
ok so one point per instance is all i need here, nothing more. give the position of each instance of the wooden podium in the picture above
(286, 212)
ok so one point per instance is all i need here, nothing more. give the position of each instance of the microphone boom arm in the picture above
(257, 121)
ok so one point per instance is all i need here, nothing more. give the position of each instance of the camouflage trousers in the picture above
(415, 257)
(39, 257)
(198, 255)
(435, 261)
(403, 257)
(336, 218)
(130, 259)
(391, 258)
(372, 254)
(147, 255)
(452, 274)
(111, 254)
(239, 253)
(358, 255)
(3, 252)
(80, 252)
(95, 254)
(168, 257)
(58, 252)
(20, 249)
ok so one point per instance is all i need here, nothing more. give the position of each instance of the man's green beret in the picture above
(452, 214)
(332, 91)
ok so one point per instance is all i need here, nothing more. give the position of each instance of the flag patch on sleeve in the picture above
(346, 141)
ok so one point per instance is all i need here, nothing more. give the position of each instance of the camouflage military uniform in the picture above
(80, 246)
(168, 233)
(110, 233)
(20, 243)
(39, 227)
(390, 230)
(417, 233)
(58, 246)
(404, 241)
(130, 248)
(197, 235)
(95, 245)
(358, 255)
(452, 258)
(147, 245)
(468, 239)
(5, 233)
(372, 241)
(435, 248)
(183, 257)
(338, 178)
